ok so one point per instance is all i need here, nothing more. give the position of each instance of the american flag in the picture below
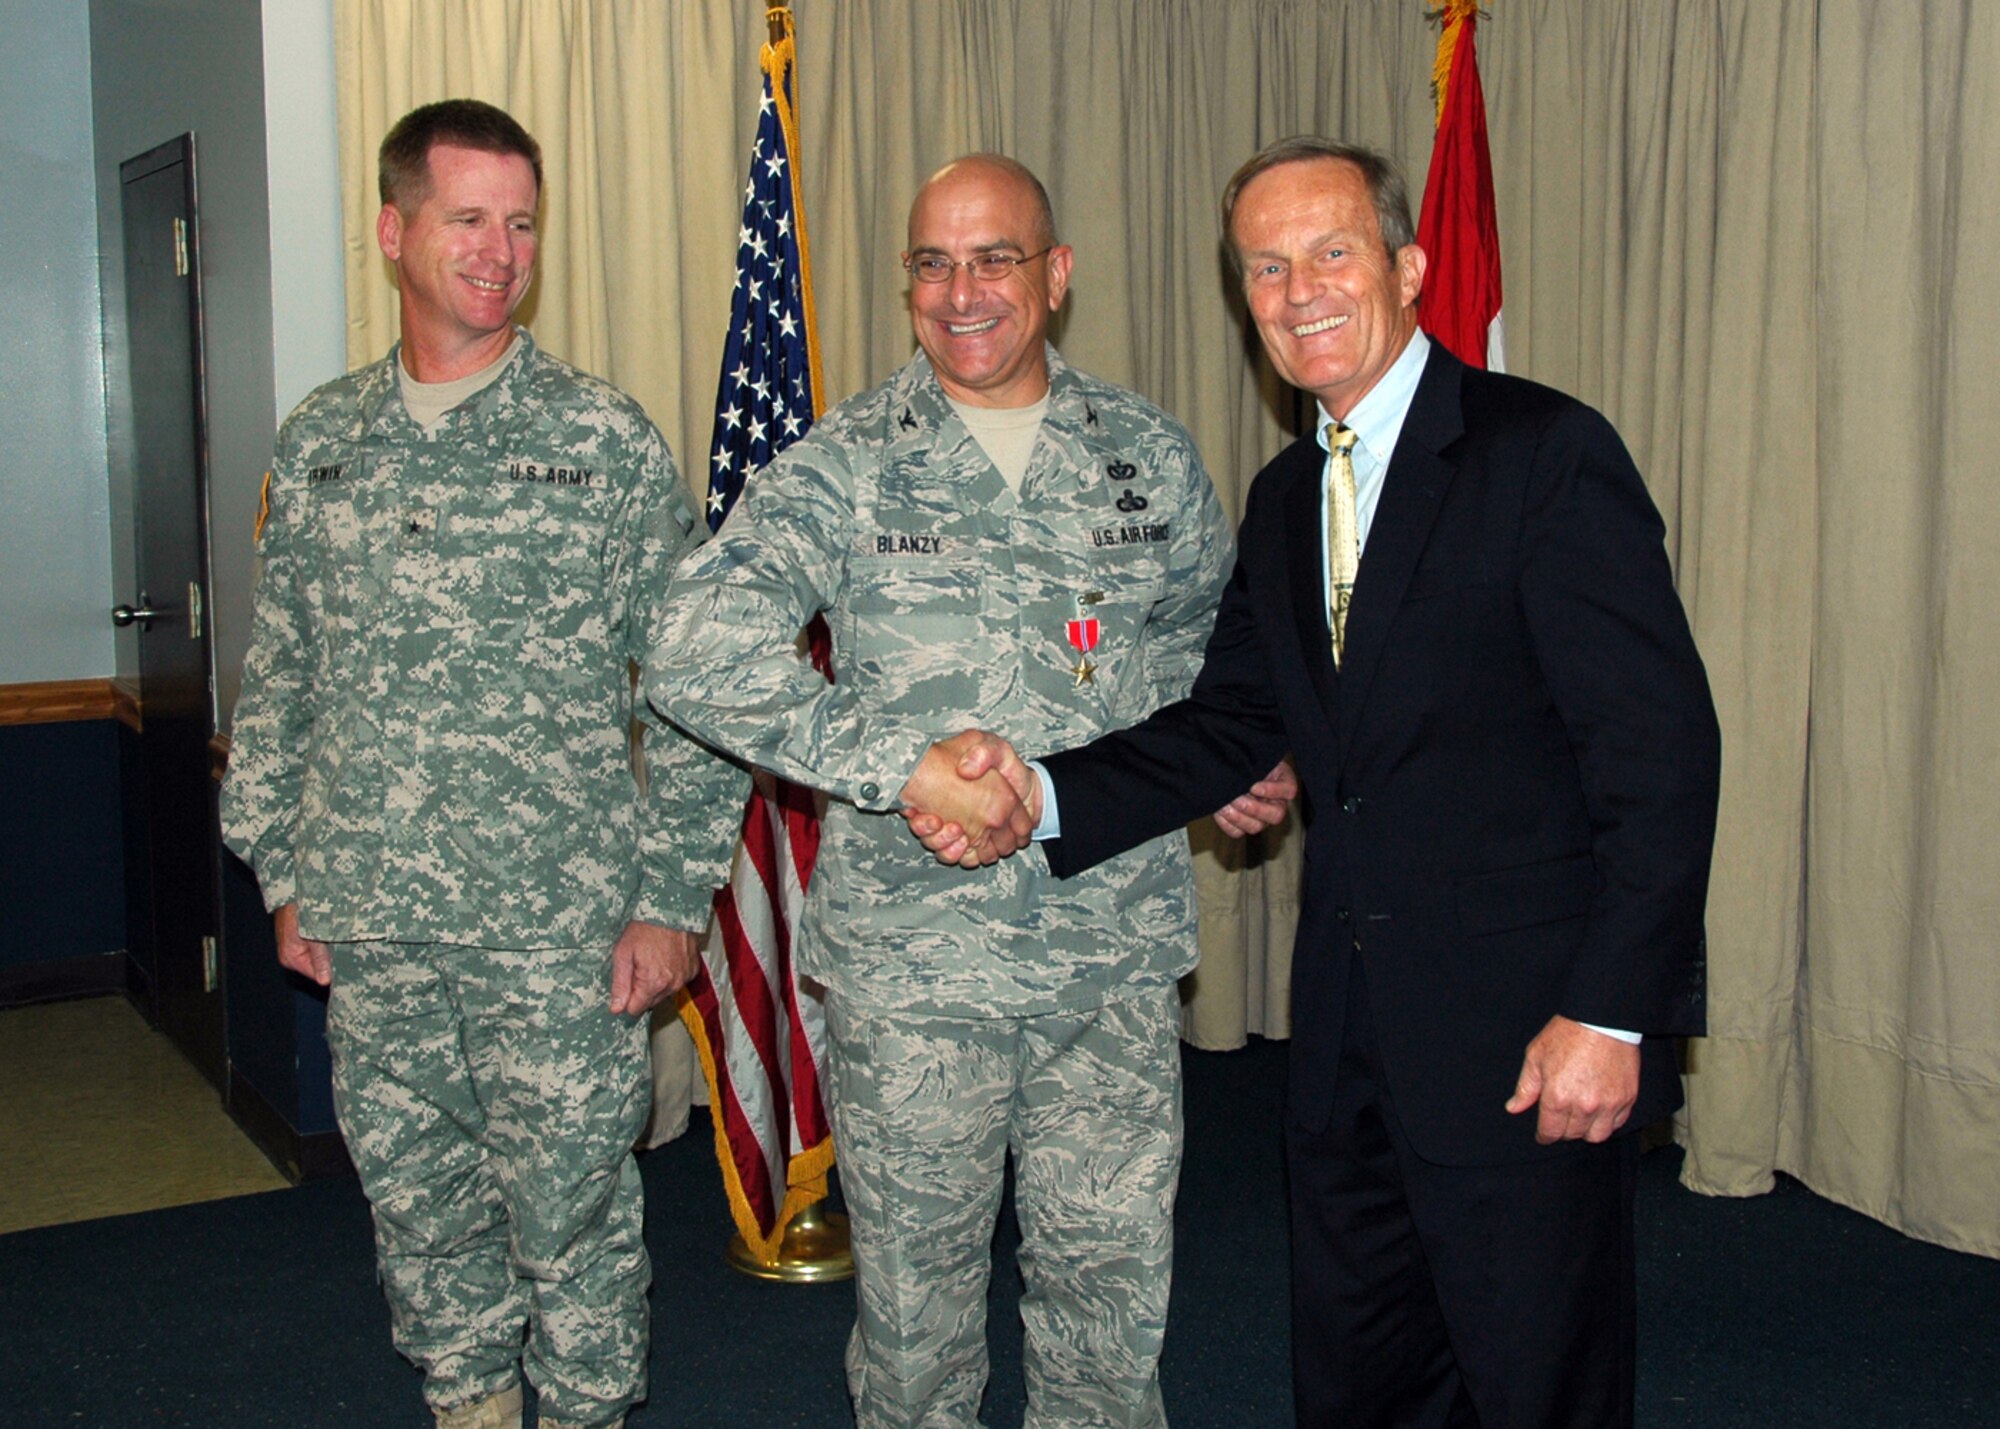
(761, 1040)
(764, 401)
(1459, 229)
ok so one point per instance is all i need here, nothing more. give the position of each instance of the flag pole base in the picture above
(814, 1249)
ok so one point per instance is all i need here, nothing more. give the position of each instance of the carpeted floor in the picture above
(262, 1310)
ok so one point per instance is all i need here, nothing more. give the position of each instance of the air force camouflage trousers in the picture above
(925, 1111)
(490, 1100)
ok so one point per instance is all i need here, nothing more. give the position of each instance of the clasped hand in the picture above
(974, 800)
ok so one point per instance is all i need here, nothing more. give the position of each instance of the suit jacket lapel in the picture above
(1305, 549)
(1413, 492)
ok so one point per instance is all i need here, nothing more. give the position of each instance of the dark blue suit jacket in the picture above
(1510, 782)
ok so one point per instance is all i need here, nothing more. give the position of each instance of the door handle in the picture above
(144, 615)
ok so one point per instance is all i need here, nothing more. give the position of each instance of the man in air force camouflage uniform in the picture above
(992, 536)
(466, 544)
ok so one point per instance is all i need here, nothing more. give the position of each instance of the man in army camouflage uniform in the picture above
(466, 543)
(992, 536)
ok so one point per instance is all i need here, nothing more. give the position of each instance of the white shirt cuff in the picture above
(1619, 1033)
(1051, 825)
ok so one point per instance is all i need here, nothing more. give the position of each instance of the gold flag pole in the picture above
(814, 1246)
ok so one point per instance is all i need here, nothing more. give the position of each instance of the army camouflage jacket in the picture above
(951, 600)
(432, 742)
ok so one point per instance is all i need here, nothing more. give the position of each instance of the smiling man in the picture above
(994, 539)
(1453, 607)
(466, 546)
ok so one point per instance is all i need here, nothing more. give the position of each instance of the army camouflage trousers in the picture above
(490, 1100)
(925, 1111)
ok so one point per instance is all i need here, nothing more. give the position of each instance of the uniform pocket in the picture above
(916, 639)
(903, 589)
(1526, 896)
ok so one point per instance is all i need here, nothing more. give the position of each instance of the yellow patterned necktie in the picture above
(1343, 533)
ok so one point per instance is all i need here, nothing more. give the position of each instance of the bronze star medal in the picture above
(1082, 633)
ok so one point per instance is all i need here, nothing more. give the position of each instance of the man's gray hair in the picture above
(1390, 195)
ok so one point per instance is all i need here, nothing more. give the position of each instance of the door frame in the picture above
(207, 1046)
(181, 149)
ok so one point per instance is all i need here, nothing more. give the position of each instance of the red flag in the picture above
(1458, 231)
(762, 1041)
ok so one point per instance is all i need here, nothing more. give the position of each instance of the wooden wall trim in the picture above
(125, 697)
(56, 701)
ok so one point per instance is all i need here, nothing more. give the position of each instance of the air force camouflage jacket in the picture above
(1076, 607)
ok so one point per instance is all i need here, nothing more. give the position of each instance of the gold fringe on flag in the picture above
(805, 1173)
(1455, 14)
(780, 61)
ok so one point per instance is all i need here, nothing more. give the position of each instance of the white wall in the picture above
(55, 529)
(308, 279)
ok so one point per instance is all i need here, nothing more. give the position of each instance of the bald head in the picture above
(1012, 178)
(986, 274)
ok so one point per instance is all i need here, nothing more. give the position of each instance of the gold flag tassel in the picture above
(1456, 14)
(780, 58)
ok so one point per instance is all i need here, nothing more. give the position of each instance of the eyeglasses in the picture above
(987, 267)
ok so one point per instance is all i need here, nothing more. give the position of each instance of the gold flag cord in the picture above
(1456, 14)
(781, 63)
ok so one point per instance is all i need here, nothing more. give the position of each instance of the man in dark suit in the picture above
(1510, 765)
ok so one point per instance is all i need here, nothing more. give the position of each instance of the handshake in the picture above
(974, 800)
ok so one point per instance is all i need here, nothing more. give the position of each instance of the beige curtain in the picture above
(1892, 1068)
(1749, 230)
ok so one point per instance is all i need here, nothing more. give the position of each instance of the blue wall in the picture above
(62, 858)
